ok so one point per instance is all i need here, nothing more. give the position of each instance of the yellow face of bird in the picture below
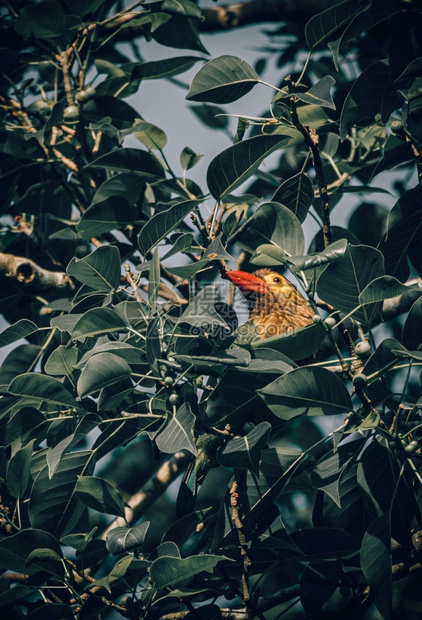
(277, 283)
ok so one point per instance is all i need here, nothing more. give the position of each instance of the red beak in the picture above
(247, 282)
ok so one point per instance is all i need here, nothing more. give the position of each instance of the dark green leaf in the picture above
(320, 93)
(275, 224)
(155, 70)
(18, 470)
(412, 329)
(130, 160)
(99, 270)
(306, 391)
(99, 495)
(404, 235)
(61, 361)
(15, 549)
(96, 322)
(297, 345)
(167, 571)
(222, 80)
(161, 224)
(46, 20)
(178, 434)
(126, 539)
(20, 329)
(113, 213)
(382, 288)
(245, 452)
(239, 162)
(296, 194)
(342, 281)
(188, 158)
(375, 561)
(364, 98)
(101, 371)
(38, 388)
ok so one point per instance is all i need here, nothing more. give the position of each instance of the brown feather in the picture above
(281, 309)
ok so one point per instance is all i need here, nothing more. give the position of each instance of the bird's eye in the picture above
(276, 279)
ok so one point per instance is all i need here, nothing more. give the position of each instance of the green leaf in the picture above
(222, 80)
(20, 329)
(297, 345)
(127, 185)
(375, 562)
(159, 69)
(167, 571)
(150, 135)
(275, 224)
(364, 98)
(130, 160)
(18, 470)
(320, 93)
(61, 361)
(100, 371)
(182, 7)
(341, 283)
(45, 20)
(113, 213)
(382, 288)
(239, 162)
(99, 270)
(161, 224)
(122, 539)
(306, 391)
(201, 311)
(178, 433)
(96, 322)
(38, 388)
(47, 559)
(183, 242)
(245, 452)
(188, 158)
(177, 32)
(100, 495)
(297, 194)
(55, 455)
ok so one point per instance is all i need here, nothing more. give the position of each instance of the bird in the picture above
(276, 305)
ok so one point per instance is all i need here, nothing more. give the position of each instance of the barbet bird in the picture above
(276, 306)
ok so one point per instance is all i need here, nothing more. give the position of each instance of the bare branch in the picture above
(153, 489)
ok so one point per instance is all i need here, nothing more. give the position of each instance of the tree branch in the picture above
(230, 16)
(153, 489)
(31, 278)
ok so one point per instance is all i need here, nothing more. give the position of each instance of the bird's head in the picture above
(262, 282)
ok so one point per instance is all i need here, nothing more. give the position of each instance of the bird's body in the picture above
(277, 307)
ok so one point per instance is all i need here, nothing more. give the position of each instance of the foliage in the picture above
(112, 271)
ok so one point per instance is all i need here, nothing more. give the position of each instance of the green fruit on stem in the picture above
(363, 348)
(174, 399)
(168, 381)
(330, 322)
(360, 381)
(71, 113)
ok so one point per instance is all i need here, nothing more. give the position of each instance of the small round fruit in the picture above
(363, 348)
(412, 446)
(360, 381)
(168, 381)
(174, 399)
(71, 113)
(316, 318)
(330, 322)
